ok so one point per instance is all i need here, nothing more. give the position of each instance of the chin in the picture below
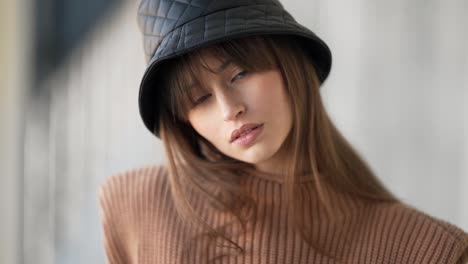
(255, 156)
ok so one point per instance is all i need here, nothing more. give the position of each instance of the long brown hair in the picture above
(314, 143)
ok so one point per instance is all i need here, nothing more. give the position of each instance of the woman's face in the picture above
(234, 98)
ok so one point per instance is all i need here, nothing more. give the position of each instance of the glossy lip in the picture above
(249, 138)
(235, 134)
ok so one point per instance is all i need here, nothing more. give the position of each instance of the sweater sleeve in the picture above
(112, 221)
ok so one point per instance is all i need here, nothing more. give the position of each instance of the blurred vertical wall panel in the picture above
(15, 49)
(82, 127)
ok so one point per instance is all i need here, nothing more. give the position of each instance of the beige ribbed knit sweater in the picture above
(140, 225)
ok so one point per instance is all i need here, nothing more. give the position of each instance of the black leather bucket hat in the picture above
(174, 27)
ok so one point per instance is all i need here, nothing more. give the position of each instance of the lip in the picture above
(248, 139)
(235, 134)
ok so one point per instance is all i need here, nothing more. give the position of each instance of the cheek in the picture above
(201, 123)
(273, 98)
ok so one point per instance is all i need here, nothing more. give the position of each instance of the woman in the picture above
(256, 172)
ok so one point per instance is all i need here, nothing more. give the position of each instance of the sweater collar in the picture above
(276, 178)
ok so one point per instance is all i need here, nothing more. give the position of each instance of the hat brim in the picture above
(216, 27)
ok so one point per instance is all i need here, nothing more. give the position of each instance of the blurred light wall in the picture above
(14, 80)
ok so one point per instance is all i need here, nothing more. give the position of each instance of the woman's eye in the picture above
(201, 99)
(240, 75)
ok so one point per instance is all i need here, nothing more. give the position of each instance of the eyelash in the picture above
(242, 74)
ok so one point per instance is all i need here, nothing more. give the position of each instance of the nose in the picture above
(231, 106)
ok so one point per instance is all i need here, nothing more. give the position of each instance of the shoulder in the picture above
(133, 181)
(418, 237)
(128, 192)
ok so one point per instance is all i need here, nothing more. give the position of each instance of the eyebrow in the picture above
(223, 66)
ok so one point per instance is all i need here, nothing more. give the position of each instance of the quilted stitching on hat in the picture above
(189, 2)
(159, 17)
(272, 18)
